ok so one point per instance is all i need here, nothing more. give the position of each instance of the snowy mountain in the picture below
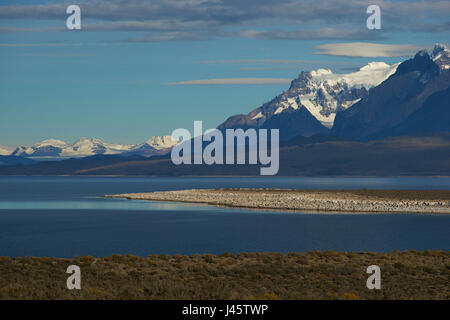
(45, 148)
(51, 142)
(153, 146)
(441, 56)
(313, 100)
(83, 147)
(414, 100)
(161, 142)
(5, 151)
(87, 147)
(370, 102)
(324, 93)
(321, 92)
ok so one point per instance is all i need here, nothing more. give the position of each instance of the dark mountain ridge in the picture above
(396, 100)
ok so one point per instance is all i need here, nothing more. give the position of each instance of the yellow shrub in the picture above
(268, 296)
(350, 296)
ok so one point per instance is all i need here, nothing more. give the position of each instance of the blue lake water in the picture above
(66, 216)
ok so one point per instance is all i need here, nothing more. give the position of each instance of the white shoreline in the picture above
(295, 200)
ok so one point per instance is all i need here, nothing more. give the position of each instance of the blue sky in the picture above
(118, 78)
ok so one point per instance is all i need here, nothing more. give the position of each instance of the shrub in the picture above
(268, 296)
(87, 259)
(350, 296)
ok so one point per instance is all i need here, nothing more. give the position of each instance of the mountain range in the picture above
(83, 147)
(369, 122)
(312, 101)
(302, 156)
(419, 87)
(374, 99)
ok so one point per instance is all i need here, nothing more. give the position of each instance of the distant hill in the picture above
(12, 160)
(63, 167)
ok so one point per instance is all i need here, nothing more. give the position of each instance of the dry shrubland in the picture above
(313, 275)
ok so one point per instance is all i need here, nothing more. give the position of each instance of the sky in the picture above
(143, 68)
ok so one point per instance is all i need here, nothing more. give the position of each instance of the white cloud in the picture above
(310, 34)
(368, 50)
(18, 29)
(223, 81)
(260, 61)
(54, 44)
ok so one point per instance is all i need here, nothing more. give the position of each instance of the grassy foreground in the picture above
(313, 275)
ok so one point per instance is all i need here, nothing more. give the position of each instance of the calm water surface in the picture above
(66, 216)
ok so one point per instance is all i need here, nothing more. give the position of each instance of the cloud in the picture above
(368, 50)
(53, 44)
(285, 64)
(173, 36)
(153, 25)
(265, 68)
(225, 81)
(18, 29)
(259, 61)
(174, 20)
(318, 34)
(233, 11)
(62, 55)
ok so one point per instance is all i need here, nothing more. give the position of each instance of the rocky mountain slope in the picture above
(311, 103)
(413, 88)
(359, 105)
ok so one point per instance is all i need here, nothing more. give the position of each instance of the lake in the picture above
(66, 216)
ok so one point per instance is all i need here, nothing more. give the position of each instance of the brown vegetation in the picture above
(314, 275)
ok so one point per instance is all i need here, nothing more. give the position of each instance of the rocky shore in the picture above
(401, 201)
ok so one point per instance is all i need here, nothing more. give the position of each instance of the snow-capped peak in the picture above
(321, 72)
(87, 147)
(52, 143)
(438, 48)
(325, 93)
(85, 142)
(48, 147)
(83, 147)
(441, 56)
(161, 142)
(375, 66)
(6, 151)
(367, 76)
